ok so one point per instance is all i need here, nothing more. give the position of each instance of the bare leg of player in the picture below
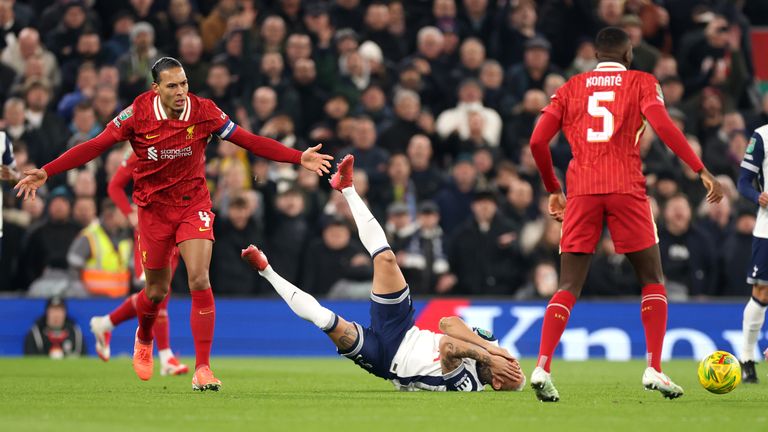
(653, 312)
(754, 317)
(196, 254)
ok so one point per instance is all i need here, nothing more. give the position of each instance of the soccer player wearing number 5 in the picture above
(168, 128)
(392, 347)
(754, 167)
(603, 114)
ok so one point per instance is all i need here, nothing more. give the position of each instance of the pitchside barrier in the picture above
(260, 327)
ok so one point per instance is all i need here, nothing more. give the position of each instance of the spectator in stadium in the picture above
(520, 126)
(44, 264)
(102, 253)
(13, 121)
(373, 103)
(28, 46)
(213, 27)
(85, 88)
(368, 156)
(427, 179)
(52, 133)
(376, 29)
(10, 25)
(456, 120)
(272, 34)
(494, 94)
(407, 106)
(422, 256)
(496, 266)
(673, 90)
(84, 210)
(191, 57)
(238, 60)
(542, 285)
(219, 87)
(611, 274)
(687, 253)
(181, 15)
(478, 20)
(472, 55)
(87, 49)
(455, 197)
(517, 29)
(536, 65)
(227, 271)
(347, 14)
(398, 187)
(105, 103)
(143, 11)
(428, 58)
(62, 40)
(735, 253)
(306, 96)
(585, 59)
(645, 55)
(134, 65)
(120, 42)
(288, 233)
(713, 57)
(54, 334)
(264, 106)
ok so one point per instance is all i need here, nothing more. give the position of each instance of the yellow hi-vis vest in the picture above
(106, 271)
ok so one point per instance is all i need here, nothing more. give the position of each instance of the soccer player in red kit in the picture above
(102, 326)
(603, 114)
(168, 128)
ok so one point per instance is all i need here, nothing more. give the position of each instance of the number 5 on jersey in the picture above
(596, 110)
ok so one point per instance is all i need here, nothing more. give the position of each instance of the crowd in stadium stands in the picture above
(435, 98)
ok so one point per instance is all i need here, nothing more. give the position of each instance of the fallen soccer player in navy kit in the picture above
(462, 359)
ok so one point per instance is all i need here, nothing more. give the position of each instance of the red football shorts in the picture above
(162, 227)
(138, 267)
(629, 219)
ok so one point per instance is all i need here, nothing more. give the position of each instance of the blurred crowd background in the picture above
(435, 98)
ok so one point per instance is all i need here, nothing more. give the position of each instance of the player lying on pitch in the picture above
(463, 359)
(102, 326)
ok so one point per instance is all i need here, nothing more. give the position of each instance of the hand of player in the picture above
(501, 352)
(505, 369)
(31, 183)
(8, 173)
(763, 199)
(314, 161)
(133, 219)
(557, 206)
(713, 186)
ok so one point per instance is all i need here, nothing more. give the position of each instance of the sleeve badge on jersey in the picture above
(126, 114)
(117, 123)
(751, 146)
(659, 92)
(485, 334)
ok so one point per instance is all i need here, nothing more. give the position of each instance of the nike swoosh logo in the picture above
(204, 229)
(205, 312)
(294, 293)
(149, 137)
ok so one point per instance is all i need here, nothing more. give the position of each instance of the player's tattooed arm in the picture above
(453, 350)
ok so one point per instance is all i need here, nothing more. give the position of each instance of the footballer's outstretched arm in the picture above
(456, 327)
(270, 149)
(72, 158)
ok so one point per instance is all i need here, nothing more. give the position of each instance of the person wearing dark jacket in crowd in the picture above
(227, 271)
(54, 334)
(687, 253)
(334, 259)
(485, 254)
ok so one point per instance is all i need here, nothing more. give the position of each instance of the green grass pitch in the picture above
(263, 394)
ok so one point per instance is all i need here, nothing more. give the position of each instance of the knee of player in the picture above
(199, 281)
(760, 292)
(385, 257)
(156, 293)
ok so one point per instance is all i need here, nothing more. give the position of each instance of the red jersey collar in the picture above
(610, 67)
(160, 112)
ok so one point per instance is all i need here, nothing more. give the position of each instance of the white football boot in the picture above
(101, 327)
(541, 382)
(653, 380)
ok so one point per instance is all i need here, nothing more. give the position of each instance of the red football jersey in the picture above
(602, 117)
(170, 169)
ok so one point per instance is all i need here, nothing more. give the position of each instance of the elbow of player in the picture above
(445, 323)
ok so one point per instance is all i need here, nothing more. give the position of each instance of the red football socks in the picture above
(162, 325)
(555, 319)
(125, 311)
(653, 312)
(202, 319)
(146, 312)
